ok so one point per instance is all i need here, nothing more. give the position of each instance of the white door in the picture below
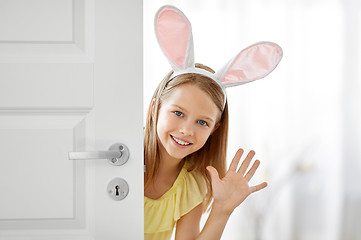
(70, 81)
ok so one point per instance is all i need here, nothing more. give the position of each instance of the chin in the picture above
(178, 155)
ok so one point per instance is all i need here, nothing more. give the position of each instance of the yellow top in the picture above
(160, 215)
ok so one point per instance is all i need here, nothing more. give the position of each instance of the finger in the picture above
(253, 169)
(234, 164)
(214, 173)
(242, 169)
(258, 187)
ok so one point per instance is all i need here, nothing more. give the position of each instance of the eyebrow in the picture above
(201, 117)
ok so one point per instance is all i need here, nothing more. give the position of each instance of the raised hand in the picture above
(233, 189)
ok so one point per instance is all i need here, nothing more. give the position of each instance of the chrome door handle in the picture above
(118, 154)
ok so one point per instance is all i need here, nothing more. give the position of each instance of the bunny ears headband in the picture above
(174, 35)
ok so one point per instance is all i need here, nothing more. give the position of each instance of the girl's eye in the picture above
(178, 113)
(203, 123)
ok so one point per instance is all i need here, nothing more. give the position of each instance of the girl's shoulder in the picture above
(187, 192)
(193, 178)
(188, 181)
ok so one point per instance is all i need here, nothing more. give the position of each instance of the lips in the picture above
(181, 142)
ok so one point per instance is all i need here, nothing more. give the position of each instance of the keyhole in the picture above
(117, 190)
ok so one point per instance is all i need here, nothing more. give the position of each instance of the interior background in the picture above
(302, 120)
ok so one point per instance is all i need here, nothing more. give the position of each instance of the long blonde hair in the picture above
(213, 153)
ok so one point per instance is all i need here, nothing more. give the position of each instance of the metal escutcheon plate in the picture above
(124, 151)
(118, 189)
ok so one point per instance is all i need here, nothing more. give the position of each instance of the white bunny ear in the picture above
(252, 63)
(174, 35)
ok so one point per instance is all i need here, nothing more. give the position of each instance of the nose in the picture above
(186, 129)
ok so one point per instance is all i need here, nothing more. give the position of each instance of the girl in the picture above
(186, 136)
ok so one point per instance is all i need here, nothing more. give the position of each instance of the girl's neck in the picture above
(167, 173)
(169, 167)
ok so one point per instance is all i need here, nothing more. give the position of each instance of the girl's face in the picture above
(186, 119)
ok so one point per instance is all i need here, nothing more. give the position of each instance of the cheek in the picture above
(203, 136)
(161, 127)
(164, 124)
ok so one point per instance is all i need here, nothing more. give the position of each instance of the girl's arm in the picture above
(228, 193)
(188, 225)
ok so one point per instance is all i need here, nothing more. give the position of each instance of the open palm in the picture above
(233, 189)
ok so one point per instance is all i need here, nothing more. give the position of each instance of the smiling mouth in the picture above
(180, 142)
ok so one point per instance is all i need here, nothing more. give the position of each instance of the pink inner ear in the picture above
(173, 33)
(253, 63)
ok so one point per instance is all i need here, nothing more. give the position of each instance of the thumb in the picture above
(213, 173)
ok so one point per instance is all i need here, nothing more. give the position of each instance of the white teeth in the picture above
(180, 141)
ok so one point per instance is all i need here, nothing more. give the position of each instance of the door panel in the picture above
(70, 80)
(27, 23)
(56, 86)
(40, 188)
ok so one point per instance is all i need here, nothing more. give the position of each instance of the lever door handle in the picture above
(118, 154)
